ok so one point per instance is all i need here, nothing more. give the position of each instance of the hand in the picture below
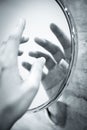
(57, 63)
(16, 95)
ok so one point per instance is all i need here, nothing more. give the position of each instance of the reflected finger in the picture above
(65, 42)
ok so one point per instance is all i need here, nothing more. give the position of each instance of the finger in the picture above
(50, 61)
(65, 42)
(34, 79)
(24, 40)
(28, 67)
(49, 46)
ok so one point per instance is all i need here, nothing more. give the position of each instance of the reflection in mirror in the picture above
(49, 37)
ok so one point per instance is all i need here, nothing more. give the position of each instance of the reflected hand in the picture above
(57, 63)
(16, 95)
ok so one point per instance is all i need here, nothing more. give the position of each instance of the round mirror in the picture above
(52, 35)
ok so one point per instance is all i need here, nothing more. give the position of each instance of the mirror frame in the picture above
(74, 52)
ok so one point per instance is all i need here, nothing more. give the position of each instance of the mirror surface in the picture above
(49, 36)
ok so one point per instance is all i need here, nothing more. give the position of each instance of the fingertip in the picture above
(52, 26)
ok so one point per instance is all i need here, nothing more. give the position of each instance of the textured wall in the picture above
(76, 96)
